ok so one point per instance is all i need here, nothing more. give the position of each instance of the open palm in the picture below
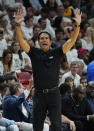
(19, 16)
(77, 16)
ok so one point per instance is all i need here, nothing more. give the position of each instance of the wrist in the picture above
(77, 25)
(71, 122)
(17, 24)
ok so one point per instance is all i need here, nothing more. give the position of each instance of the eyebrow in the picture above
(44, 37)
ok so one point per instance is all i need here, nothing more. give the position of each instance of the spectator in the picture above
(65, 89)
(6, 63)
(34, 40)
(44, 27)
(3, 92)
(73, 73)
(43, 14)
(3, 43)
(59, 39)
(7, 3)
(16, 108)
(89, 8)
(68, 10)
(72, 55)
(75, 4)
(51, 4)
(76, 108)
(7, 125)
(83, 54)
(89, 38)
(64, 65)
(17, 58)
(11, 79)
(20, 59)
(70, 82)
(28, 28)
(60, 15)
(83, 81)
(90, 94)
(36, 5)
(52, 16)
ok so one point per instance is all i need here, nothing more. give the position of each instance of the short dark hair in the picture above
(11, 77)
(90, 87)
(41, 19)
(35, 26)
(64, 88)
(14, 88)
(3, 86)
(91, 55)
(44, 10)
(78, 89)
(27, 18)
(82, 78)
(44, 32)
(58, 31)
(2, 79)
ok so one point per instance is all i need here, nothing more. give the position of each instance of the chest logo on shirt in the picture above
(51, 57)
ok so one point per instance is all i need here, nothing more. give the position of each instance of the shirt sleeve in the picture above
(23, 43)
(69, 43)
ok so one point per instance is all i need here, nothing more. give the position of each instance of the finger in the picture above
(71, 127)
(81, 13)
(77, 11)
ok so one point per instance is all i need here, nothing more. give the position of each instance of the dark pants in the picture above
(44, 102)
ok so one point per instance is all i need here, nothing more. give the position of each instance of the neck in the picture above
(17, 94)
(74, 74)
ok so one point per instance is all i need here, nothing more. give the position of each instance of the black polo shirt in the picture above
(45, 66)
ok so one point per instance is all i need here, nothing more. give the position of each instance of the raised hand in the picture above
(19, 16)
(77, 16)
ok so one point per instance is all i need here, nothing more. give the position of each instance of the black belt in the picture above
(46, 90)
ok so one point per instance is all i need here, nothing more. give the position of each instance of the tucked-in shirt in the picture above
(46, 66)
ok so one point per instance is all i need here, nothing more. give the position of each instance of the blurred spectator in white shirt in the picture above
(73, 73)
(3, 43)
(28, 28)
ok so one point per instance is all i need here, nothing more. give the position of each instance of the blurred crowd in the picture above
(16, 81)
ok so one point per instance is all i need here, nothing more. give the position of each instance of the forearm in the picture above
(68, 121)
(68, 45)
(6, 122)
(64, 119)
(24, 45)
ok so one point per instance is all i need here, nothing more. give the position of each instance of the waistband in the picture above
(45, 91)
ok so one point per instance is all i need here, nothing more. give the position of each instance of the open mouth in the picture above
(44, 44)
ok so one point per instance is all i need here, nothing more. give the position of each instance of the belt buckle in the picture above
(45, 91)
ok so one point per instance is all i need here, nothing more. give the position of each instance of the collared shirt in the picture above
(76, 78)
